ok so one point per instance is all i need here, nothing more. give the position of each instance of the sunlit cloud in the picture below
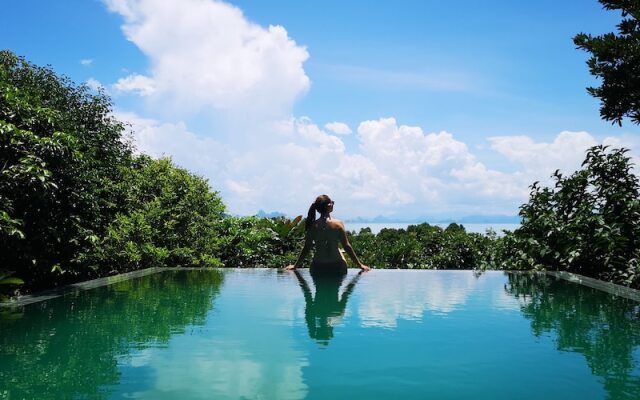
(212, 57)
(220, 91)
(137, 84)
(339, 128)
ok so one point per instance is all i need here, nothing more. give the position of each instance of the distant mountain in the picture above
(272, 214)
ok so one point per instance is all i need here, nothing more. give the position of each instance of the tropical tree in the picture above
(615, 58)
(61, 156)
(588, 223)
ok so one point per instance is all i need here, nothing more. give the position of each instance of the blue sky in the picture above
(453, 108)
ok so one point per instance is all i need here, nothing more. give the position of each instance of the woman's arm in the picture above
(347, 247)
(308, 242)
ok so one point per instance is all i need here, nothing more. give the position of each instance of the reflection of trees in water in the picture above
(69, 347)
(328, 305)
(602, 327)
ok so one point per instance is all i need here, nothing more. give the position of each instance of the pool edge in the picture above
(608, 287)
(79, 287)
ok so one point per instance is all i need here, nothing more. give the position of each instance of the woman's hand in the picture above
(364, 268)
(290, 267)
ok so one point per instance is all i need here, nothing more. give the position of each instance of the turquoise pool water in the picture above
(264, 334)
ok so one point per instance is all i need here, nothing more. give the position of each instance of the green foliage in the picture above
(423, 246)
(616, 60)
(588, 223)
(170, 218)
(260, 242)
(7, 284)
(74, 202)
(60, 156)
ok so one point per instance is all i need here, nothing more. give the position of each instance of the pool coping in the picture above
(611, 288)
(79, 287)
(73, 288)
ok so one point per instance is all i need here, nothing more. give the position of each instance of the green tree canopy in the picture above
(75, 202)
(615, 58)
(61, 156)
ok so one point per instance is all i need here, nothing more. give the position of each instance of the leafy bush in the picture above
(423, 246)
(588, 223)
(74, 201)
(260, 242)
(61, 155)
(170, 218)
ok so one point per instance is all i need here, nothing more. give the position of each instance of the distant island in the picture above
(272, 214)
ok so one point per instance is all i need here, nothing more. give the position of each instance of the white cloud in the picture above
(137, 84)
(566, 152)
(86, 62)
(314, 134)
(628, 142)
(398, 170)
(201, 155)
(205, 54)
(339, 128)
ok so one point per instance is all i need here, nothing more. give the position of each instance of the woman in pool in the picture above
(326, 233)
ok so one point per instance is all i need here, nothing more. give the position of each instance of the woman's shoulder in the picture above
(336, 224)
(332, 224)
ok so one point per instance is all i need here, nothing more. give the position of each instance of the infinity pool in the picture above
(265, 334)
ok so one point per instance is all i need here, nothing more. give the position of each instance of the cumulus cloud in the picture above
(206, 55)
(137, 84)
(339, 128)
(566, 152)
(86, 62)
(202, 155)
(397, 170)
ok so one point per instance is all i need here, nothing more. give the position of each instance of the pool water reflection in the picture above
(273, 334)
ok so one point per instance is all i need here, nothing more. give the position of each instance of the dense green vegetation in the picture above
(61, 156)
(615, 59)
(423, 246)
(76, 202)
(588, 223)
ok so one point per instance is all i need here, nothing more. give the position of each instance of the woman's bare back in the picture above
(327, 234)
